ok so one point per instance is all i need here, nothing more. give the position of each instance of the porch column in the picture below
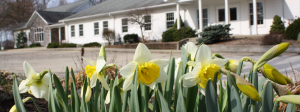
(50, 31)
(178, 16)
(200, 15)
(67, 34)
(254, 18)
(226, 12)
(59, 36)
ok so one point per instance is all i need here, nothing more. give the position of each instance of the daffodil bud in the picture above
(280, 90)
(13, 109)
(247, 88)
(270, 54)
(88, 93)
(274, 75)
(102, 52)
(294, 99)
(232, 65)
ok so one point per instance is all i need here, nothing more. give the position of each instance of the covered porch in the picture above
(57, 33)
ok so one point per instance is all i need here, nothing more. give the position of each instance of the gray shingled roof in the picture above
(116, 5)
(53, 17)
(21, 25)
(66, 8)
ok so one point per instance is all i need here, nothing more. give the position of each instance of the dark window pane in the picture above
(204, 13)
(170, 16)
(170, 24)
(148, 27)
(96, 32)
(105, 23)
(221, 14)
(233, 14)
(124, 28)
(124, 22)
(96, 25)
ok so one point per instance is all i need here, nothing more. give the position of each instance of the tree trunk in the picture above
(143, 41)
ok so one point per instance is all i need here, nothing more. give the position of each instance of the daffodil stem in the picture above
(275, 107)
(217, 55)
(190, 100)
(255, 83)
(246, 59)
(30, 98)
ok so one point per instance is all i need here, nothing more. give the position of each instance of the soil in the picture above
(249, 41)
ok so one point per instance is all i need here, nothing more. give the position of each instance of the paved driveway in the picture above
(12, 60)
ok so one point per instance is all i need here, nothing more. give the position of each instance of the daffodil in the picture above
(191, 49)
(36, 83)
(294, 99)
(274, 75)
(95, 70)
(13, 109)
(149, 72)
(88, 93)
(205, 68)
(232, 65)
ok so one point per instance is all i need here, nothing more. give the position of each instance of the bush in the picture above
(181, 23)
(35, 45)
(108, 35)
(53, 45)
(278, 26)
(293, 30)
(272, 39)
(214, 34)
(92, 44)
(131, 38)
(167, 36)
(184, 32)
(21, 40)
(67, 45)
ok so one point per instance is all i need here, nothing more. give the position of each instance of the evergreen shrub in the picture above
(92, 44)
(131, 38)
(278, 26)
(167, 36)
(35, 45)
(53, 45)
(293, 30)
(214, 33)
(66, 45)
(184, 32)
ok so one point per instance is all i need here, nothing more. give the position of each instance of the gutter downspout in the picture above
(113, 25)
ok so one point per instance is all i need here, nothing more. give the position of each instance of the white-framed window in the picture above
(170, 20)
(80, 29)
(105, 25)
(260, 13)
(147, 22)
(204, 17)
(232, 14)
(38, 34)
(96, 28)
(72, 31)
(125, 25)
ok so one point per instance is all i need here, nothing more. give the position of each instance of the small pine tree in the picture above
(293, 30)
(181, 23)
(277, 26)
(21, 40)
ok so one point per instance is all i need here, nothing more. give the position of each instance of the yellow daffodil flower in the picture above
(274, 75)
(150, 71)
(13, 109)
(294, 99)
(36, 84)
(88, 93)
(95, 70)
(205, 68)
(232, 65)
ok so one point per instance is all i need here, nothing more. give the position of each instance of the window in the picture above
(125, 25)
(72, 31)
(170, 20)
(221, 13)
(260, 16)
(204, 17)
(148, 22)
(105, 25)
(80, 30)
(233, 13)
(39, 34)
(96, 28)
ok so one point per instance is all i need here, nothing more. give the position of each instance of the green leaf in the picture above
(267, 98)
(202, 103)
(223, 97)
(180, 103)
(211, 97)
(75, 95)
(236, 105)
(261, 83)
(162, 102)
(275, 107)
(170, 82)
(125, 100)
(240, 68)
(254, 81)
(83, 106)
(190, 99)
(103, 96)
(184, 57)
(290, 107)
(97, 97)
(144, 97)
(17, 97)
(177, 84)
(61, 92)
(67, 82)
(116, 101)
(134, 101)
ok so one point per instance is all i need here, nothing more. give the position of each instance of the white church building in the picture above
(245, 17)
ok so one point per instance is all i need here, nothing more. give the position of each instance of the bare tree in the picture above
(108, 35)
(62, 2)
(140, 17)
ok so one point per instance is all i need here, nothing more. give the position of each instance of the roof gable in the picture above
(53, 17)
(69, 7)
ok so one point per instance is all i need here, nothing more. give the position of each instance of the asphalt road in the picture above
(12, 60)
